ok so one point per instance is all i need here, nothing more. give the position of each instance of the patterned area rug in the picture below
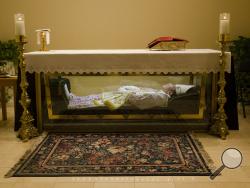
(81, 154)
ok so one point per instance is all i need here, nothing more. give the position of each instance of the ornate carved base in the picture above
(27, 130)
(220, 127)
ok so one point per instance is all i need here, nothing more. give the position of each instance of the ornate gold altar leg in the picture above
(27, 130)
(220, 127)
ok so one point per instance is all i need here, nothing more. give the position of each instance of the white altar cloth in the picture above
(122, 61)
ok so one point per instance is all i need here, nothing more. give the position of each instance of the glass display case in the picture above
(125, 90)
(125, 99)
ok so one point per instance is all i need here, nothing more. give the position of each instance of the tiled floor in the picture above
(11, 149)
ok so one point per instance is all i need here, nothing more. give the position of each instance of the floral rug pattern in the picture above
(90, 154)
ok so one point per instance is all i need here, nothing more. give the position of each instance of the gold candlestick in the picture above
(43, 41)
(43, 38)
(27, 129)
(220, 127)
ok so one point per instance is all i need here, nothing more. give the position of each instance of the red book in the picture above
(165, 39)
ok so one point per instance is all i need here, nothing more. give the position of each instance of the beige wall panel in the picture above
(108, 24)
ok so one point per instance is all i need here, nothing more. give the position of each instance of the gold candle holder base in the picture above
(27, 129)
(219, 127)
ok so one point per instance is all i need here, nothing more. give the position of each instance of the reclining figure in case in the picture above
(139, 97)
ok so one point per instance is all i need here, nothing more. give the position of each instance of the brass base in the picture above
(220, 127)
(43, 50)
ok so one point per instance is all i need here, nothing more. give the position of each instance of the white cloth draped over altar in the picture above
(123, 61)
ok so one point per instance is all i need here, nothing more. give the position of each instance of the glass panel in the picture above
(124, 97)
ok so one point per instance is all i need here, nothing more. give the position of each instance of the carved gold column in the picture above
(219, 126)
(27, 129)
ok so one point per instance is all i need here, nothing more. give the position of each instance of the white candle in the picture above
(19, 24)
(224, 23)
(47, 37)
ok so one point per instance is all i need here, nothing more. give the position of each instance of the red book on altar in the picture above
(168, 43)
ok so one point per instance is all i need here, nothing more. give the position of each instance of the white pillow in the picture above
(182, 88)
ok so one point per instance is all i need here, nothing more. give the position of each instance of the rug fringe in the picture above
(203, 152)
(26, 155)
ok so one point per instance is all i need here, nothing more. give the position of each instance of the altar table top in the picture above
(125, 60)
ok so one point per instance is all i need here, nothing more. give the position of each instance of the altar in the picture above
(66, 75)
